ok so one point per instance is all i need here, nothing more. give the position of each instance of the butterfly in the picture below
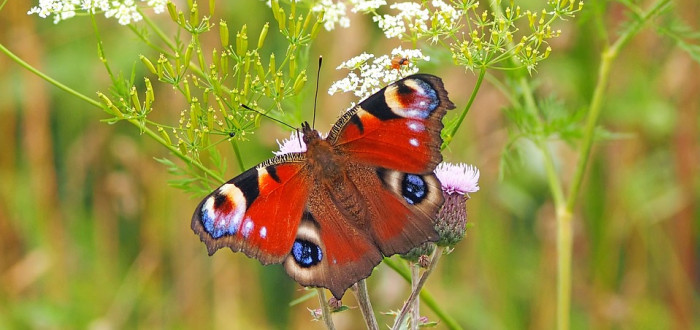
(330, 213)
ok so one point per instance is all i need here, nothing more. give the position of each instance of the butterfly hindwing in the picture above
(257, 212)
(337, 245)
(406, 206)
(397, 127)
(328, 253)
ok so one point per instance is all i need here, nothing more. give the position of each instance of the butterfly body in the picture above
(331, 212)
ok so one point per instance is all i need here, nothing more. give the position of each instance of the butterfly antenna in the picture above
(318, 75)
(267, 116)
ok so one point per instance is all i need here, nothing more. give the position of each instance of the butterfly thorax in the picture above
(329, 172)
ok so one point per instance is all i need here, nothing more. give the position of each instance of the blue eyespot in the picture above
(306, 254)
(413, 189)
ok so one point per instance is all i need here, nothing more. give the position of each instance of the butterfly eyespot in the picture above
(411, 98)
(306, 254)
(413, 189)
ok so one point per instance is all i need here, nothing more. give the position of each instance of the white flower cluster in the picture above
(411, 16)
(377, 73)
(333, 13)
(126, 11)
(446, 15)
(414, 17)
(366, 6)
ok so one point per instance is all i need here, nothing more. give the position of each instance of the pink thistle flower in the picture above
(293, 144)
(458, 180)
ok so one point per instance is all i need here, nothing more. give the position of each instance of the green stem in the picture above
(607, 57)
(325, 309)
(555, 185)
(462, 115)
(564, 251)
(237, 151)
(425, 296)
(415, 308)
(98, 104)
(159, 33)
(41, 75)
(565, 212)
(362, 296)
(418, 288)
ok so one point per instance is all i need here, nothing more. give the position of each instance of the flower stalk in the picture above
(325, 309)
(362, 296)
(401, 318)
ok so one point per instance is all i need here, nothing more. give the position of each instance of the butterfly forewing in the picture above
(251, 213)
(398, 127)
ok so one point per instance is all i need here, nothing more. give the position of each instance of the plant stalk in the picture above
(415, 292)
(362, 296)
(425, 296)
(463, 114)
(565, 212)
(98, 104)
(415, 309)
(325, 309)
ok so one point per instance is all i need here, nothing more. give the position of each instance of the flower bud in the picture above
(417, 252)
(223, 33)
(148, 64)
(263, 35)
(452, 219)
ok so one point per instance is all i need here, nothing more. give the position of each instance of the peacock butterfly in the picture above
(330, 213)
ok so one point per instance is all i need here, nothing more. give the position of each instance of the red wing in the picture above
(404, 207)
(398, 127)
(348, 226)
(328, 252)
(257, 212)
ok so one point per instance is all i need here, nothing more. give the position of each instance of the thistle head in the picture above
(458, 180)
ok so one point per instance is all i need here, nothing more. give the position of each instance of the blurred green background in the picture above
(91, 235)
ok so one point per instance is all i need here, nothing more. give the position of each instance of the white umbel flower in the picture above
(334, 13)
(366, 6)
(125, 11)
(368, 73)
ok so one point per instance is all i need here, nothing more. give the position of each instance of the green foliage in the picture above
(214, 83)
